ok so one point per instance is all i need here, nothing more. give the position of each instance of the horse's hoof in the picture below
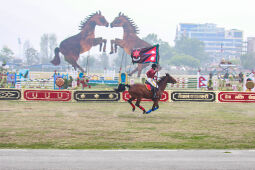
(144, 112)
(111, 52)
(133, 109)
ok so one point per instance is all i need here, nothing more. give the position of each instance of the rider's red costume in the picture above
(151, 73)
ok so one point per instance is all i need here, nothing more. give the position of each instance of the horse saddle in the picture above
(148, 85)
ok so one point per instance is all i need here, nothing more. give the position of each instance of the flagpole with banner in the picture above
(141, 56)
(145, 55)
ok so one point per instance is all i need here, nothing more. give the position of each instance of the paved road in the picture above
(127, 159)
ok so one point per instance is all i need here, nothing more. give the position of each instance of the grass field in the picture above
(115, 126)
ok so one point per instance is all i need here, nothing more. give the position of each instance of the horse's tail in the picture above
(122, 87)
(56, 60)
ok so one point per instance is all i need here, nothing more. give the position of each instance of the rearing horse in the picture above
(130, 39)
(139, 91)
(73, 46)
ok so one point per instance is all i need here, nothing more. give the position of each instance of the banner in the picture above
(145, 55)
(164, 97)
(193, 96)
(10, 94)
(83, 96)
(47, 95)
(244, 97)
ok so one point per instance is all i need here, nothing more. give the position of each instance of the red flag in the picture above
(145, 55)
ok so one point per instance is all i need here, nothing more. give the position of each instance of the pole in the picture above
(125, 63)
(121, 60)
(87, 66)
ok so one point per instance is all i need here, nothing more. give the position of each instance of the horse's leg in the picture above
(80, 67)
(155, 105)
(75, 65)
(104, 42)
(120, 43)
(112, 42)
(115, 47)
(130, 102)
(98, 41)
(71, 60)
(138, 105)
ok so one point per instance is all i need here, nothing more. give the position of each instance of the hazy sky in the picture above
(29, 19)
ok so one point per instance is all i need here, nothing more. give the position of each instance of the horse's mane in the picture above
(161, 79)
(135, 27)
(85, 21)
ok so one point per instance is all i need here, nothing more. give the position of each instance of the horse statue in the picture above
(82, 42)
(138, 91)
(130, 39)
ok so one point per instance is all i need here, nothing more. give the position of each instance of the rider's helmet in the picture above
(154, 65)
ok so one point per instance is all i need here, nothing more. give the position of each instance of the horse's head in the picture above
(119, 21)
(125, 22)
(170, 79)
(93, 20)
(99, 19)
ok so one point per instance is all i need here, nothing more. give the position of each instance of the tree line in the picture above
(48, 43)
(186, 52)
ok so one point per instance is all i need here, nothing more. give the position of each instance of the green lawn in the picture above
(115, 126)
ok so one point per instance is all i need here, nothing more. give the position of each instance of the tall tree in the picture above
(192, 47)
(122, 60)
(104, 60)
(6, 54)
(52, 44)
(152, 39)
(47, 45)
(44, 48)
(88, 62)
(26, 46)
(184, 60)
(32, 56)
(248, 61)
(165, 51)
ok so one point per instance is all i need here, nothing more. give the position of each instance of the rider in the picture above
(151, 79)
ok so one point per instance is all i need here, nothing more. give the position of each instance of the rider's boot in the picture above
(155, 93)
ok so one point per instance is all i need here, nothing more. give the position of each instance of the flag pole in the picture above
(157, 60)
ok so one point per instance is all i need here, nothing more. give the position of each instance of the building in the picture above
(251, 45)
(219, 42)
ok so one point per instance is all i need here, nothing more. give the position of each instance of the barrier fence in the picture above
(35, 83)
(185, 83)
(112, 96)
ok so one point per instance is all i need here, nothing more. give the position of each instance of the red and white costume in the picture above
(151, 77)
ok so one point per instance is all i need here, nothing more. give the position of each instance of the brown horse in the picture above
(130, 39)
(139, 91)
(73, 46)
